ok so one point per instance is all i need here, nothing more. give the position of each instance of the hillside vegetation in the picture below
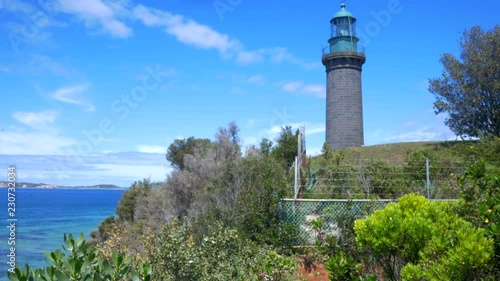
(216, 217)
(392, 170)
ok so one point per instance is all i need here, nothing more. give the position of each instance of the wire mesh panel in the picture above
(301, 212)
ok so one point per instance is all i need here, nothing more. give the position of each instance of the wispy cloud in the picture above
(37, 120)
(298, 87)
(98, 13)
(202, 36)
(32, 143)
(121, 168)
(72, 95)
(151, 149)
(250, 57)
(185, 30)
(425, 133)
(275, 55)
(257, 79)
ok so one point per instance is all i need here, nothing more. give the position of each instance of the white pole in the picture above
(428, 178)
(296, 185)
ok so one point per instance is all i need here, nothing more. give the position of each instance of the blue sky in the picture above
(94, 91)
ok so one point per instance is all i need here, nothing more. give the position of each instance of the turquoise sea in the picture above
(44, 215)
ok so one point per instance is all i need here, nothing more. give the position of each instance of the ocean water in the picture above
(45, 215)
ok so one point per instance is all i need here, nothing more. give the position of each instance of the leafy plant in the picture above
(80, 261)
(221, 254)
(343, 267)
(415, 238)
(481, 204)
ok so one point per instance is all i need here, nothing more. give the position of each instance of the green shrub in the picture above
(80, 261)
(220, 255)
(480, 204)
(417, 239)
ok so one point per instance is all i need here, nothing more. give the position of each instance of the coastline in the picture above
(53, 186)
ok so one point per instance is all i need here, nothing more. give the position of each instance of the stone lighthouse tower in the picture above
(343, 59)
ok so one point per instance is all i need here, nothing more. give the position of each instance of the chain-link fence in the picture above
(301, 212)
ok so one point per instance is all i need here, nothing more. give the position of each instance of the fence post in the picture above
(428, 178)
(280, 211)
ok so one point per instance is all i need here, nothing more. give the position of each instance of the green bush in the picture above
(220, 255)
(480, 204)
(344, 267)
(83, 263)
(416, 239)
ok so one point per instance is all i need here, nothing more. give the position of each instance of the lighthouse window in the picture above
(343, 28)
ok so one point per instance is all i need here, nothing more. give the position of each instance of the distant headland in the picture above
(44, 185)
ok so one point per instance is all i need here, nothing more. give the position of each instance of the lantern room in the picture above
(343, 32)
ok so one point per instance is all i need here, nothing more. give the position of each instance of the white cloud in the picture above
(315, 129)
(120, 168)
(280, 55)
(257, 79)
(138, 172)
(314, 90)
(36, 120)
(202, 36)
(426, 133)
(249, 57)
(72, 95)
(33, 143)
(97, 12)
(151, 149)
(311, 65)
(185, 30)
(293, 86)
(275, 55)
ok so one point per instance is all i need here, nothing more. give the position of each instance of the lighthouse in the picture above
(343, 60)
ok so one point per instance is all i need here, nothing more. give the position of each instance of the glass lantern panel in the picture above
(333, 29)
(343, 27)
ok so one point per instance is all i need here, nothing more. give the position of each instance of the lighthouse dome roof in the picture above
(343, 12)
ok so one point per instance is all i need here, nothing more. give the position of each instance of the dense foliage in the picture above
(480, 205)
(219, 255)
(469, 89)
(216, 217)
(415, 239)
(81, 261)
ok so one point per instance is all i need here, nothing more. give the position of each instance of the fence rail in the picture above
(378, 179)
(301, 212)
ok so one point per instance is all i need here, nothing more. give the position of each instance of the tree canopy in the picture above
(181, 147)
(286, 146)
(469, 89)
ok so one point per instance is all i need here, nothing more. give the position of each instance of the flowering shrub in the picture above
(480, 205)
